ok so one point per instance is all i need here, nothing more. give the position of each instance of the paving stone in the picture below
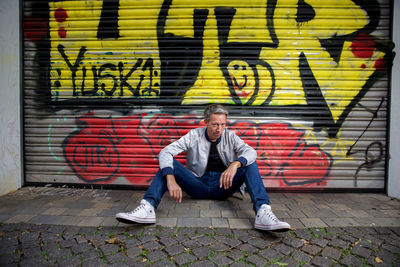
(249, 249)
(223, 231)
(232, 242)
(322, 261)
(205, 240)
(191, 244)
(133, 252)
(350, 260)
(219, 222)
(331, 253)
(151, 245)
(156, 255)
(303, 233)
(390, 248)
(94, 262)
(194, 222)
(289, 261)
(167, 222)
(300, 256)
(284, 249)
(257, 260)
(218, 247)
(360, 251)
(175, 249)
(388, 258)
(271, 254)
(313, 222)
(70, 261)
(221, 260)
(235, 254)
(258, 243)
(311, 249)
(184, 258)
(160, 263)
(202, 263)
(38, 261)
(108, 249)
(239, 264)
(293, 242)
(147, 238)
(239, 223)
(336, 242)
(132, 242)
(89, 254)
(319, 242)
(201, 252)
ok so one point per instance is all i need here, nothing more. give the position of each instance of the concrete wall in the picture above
(10, 109)
(394, 162)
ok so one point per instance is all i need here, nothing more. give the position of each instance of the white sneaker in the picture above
(144, 213)
(266, 220)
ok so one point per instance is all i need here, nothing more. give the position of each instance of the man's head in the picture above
(215, 118)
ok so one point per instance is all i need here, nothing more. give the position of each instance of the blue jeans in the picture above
(207, 186)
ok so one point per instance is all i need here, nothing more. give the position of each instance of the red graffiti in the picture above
(363, 46)
(35, 29)
(62, 33)
(379, 64)
(104, 149)
(60, 15)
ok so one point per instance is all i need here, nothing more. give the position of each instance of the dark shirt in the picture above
(215, 163)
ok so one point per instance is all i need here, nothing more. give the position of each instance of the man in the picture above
(217, 164)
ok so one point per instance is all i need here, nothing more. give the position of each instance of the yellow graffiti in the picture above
(84, 65)
(124, 67)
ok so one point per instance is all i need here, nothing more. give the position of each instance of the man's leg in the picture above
(255, 186)
(265, 218)
(251, 176)
(145, 212)
(189, 183)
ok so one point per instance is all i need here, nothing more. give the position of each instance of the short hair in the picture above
(214, 109)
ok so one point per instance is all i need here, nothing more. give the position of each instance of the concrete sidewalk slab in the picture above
(96, 207)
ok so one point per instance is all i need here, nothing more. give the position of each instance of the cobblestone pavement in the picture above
(58, 226)
(57, 245)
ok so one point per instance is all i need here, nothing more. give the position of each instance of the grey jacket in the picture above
(197, 147)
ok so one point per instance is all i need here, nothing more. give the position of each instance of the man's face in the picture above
(215, 126)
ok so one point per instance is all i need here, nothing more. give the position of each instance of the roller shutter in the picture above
(108, 83)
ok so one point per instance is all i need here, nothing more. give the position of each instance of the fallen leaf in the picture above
(113, 240)
(1, 234)
(378, 260)
(187, 250)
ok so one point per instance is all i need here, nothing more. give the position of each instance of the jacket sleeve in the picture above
(167, 154)
(245, 153)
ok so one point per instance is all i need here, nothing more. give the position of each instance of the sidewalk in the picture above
(69, 227)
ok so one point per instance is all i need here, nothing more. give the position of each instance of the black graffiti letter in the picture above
(74, 67)
(123, 79)
(108, 25)
(103, 85)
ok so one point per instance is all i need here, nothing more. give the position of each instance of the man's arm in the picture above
(175, 191)
(167, 154)
(228, 175)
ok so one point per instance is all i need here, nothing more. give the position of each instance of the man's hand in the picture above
(228, 174)
(174, 189)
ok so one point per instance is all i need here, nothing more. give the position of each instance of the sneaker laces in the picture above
(271, 215)
(141, 206)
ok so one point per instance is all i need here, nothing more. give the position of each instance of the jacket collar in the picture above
(208, 139)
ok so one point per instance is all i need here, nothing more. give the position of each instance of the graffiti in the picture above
(97, 152)
(92, 153)
(110, 82)
(301, 79)
(248, 68)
